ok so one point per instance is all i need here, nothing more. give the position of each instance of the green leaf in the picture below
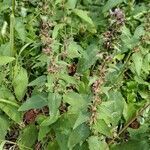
(139, 31)
(140, 133)
(12, 112)
(2, 145)
(54, 101)
(96, 144)
(8, 102)
(6, 94)
(50, 120)
(35, 102)
(78, 135)
(68, 79)
(126, 38)
(132, 145)
(141, 81)
(38, 81)
(20, 82)
(62, 132)
(43, 132)
(5, 49)
(9, 105)
(129, 111)
(110, 4)
(81, 146)
(71, 3)
(4, 125)
(101, 127)
(73, 50)
(81, 119)
(53, 145)
(146, 63)
(58, 1)
(5, 60)
(84, 16)
(28, 137)
(111, 110)
(56, 30)
(77, 102)
(20, 28)
(138, 61)
(90, 54)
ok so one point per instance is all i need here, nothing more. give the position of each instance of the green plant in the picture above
(74, 74)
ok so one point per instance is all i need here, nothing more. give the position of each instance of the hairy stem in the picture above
(12, 25)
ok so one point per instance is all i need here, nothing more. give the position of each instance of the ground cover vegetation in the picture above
(74, 74)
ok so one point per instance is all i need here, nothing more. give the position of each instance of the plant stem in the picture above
(127, 125)
(10, 142)
(12, 25)
(13, 6)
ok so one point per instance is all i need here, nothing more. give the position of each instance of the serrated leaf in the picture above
(77, 102)
(20, 82)
(28, 137)
(84, 16)
(101, 127)
(138, 61)
(35, 102)
(111, 110)
(96, 144)
(5, 60)
(110, 4)
(78, 135)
